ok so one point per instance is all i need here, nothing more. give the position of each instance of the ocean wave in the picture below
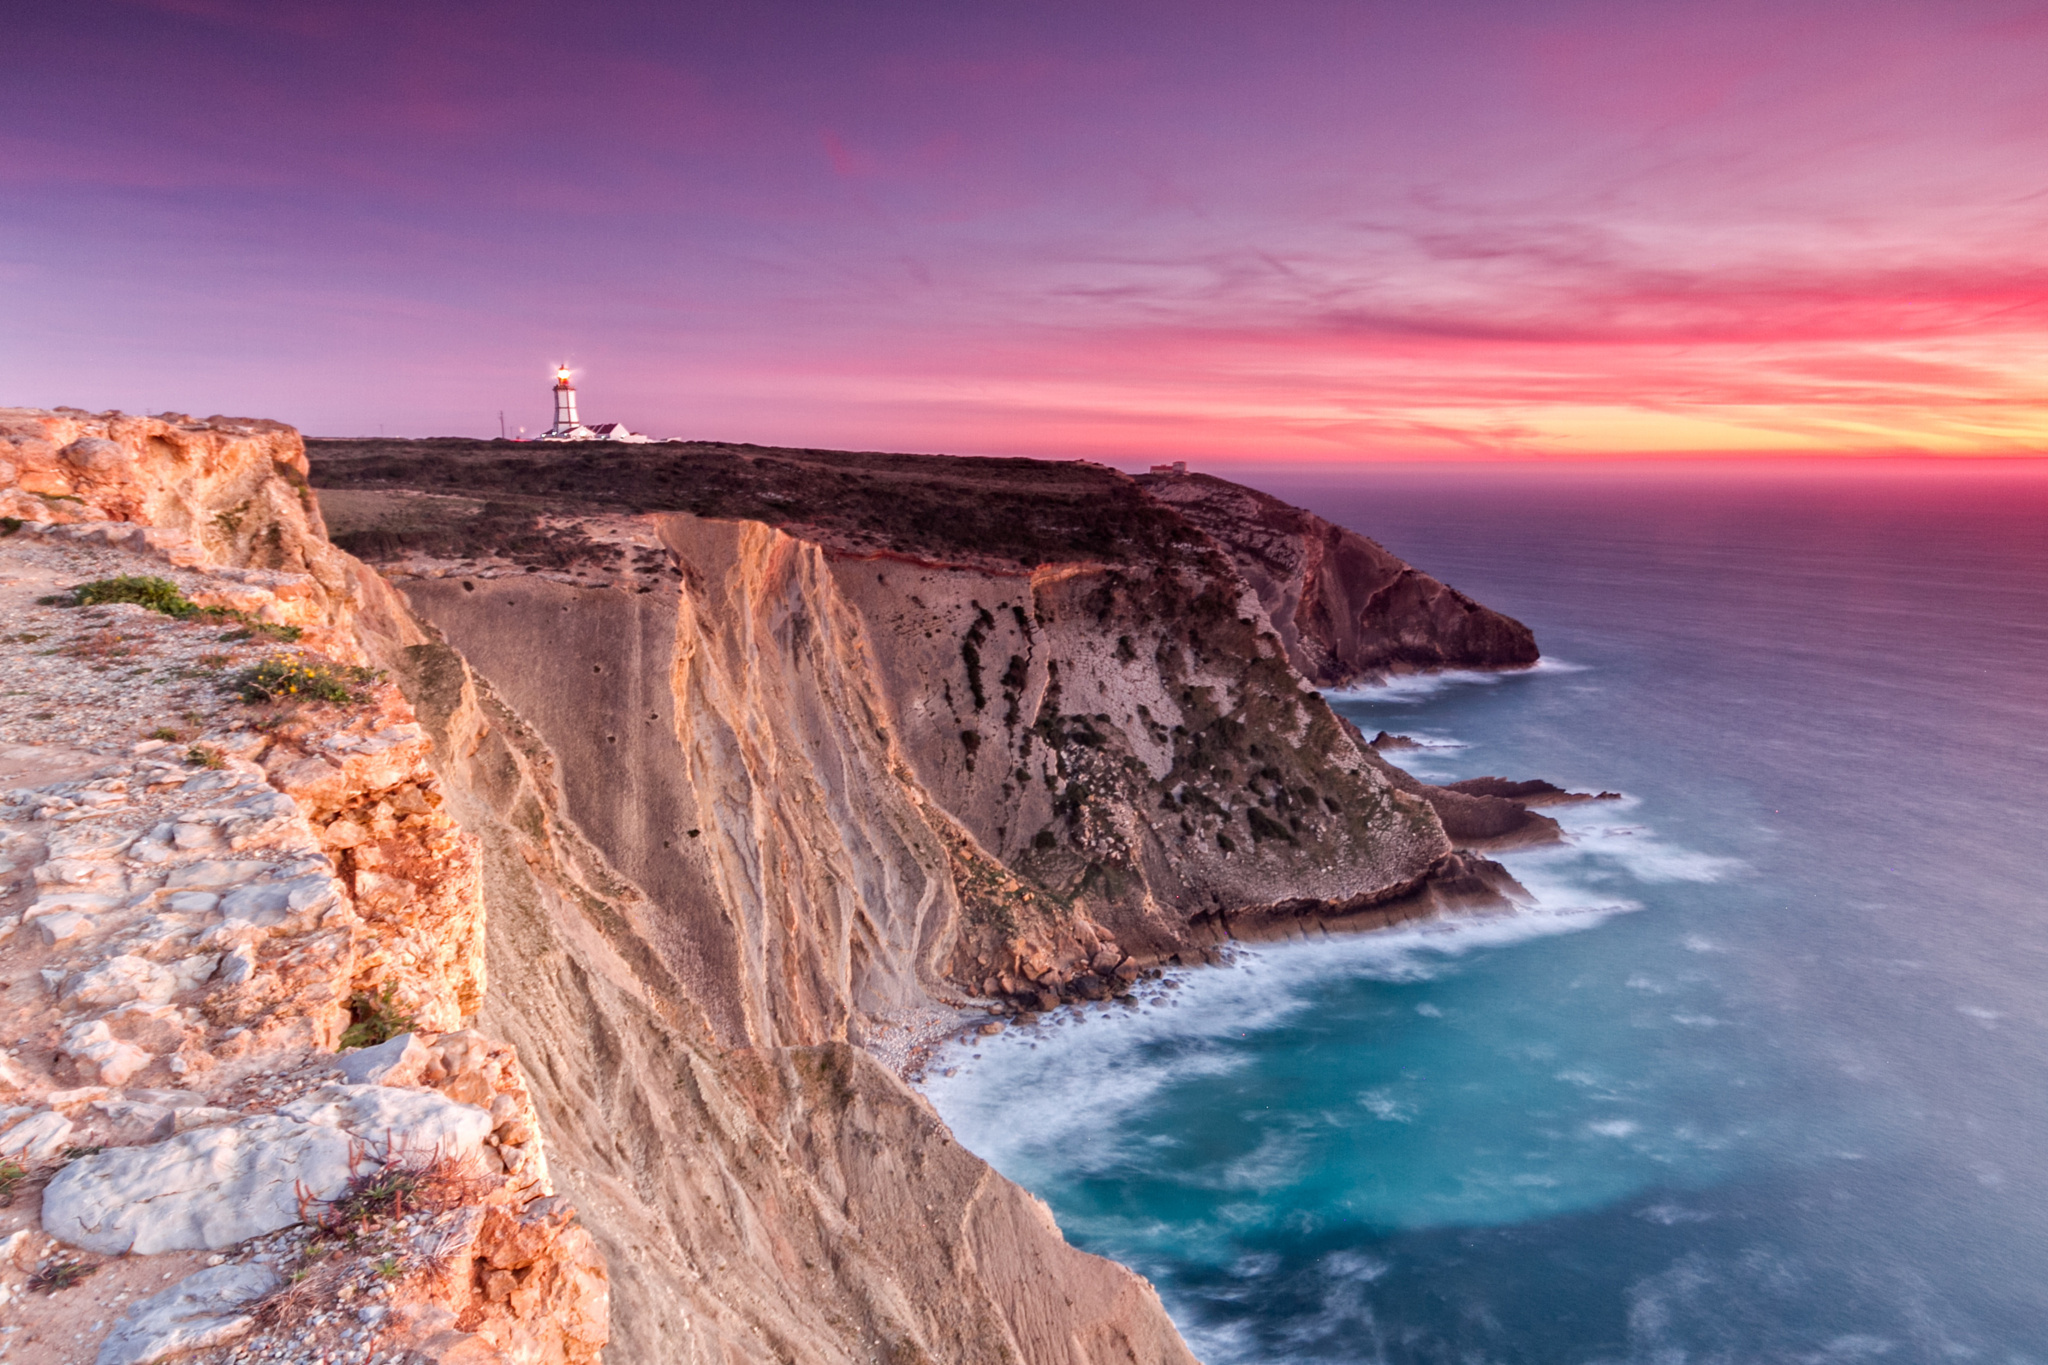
(1089, 1063)
(1411, 689)
(1599, 844)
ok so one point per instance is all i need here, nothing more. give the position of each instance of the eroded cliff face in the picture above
(1345, 609)
(759, 1193)
(1132, 748)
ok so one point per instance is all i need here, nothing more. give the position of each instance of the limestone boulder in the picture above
(202, 1310)
(207, 1189)
(388, 1120)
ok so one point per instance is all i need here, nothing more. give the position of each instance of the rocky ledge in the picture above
(223, 868)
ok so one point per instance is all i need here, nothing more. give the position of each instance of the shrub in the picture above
(157, 594)
(205, 756)
(9, 525)
(375, 1019)
(298, 678)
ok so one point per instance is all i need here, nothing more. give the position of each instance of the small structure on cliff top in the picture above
(568, 427)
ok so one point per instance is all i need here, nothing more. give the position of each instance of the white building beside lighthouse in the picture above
(569, 427)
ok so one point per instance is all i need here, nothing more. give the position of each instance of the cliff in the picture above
(647, 802)
(1345, 609)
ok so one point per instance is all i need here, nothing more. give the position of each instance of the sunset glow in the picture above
(1299, 231)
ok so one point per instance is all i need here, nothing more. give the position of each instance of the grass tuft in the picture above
(157, 594)
(60, 1275)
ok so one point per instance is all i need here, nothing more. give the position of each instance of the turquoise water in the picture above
(1764, 1074)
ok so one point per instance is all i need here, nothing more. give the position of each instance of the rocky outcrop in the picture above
(1345, 609)
(228, 494)
(203, 896)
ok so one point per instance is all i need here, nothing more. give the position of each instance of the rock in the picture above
(391, 1120)
(97, 456)
(397, 1061)
(63, 926)
(1106, 961)
(212, 875)
(470, 1087)
(272, 903)
(12, 1077)
(203, 1116)
(68, 1099)
(509, 1243)
(129, 1123)
(463, 1050)
(207, 1189)
(169, 1099)
(204, 1309)
(94, 1044)
(990, 1029)
(36, 1138)
(90, 902)
(236, 967)
(119, 980)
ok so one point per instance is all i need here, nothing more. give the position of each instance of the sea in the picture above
(1761, 1075)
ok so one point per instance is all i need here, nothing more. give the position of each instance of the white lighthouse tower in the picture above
(568, 427)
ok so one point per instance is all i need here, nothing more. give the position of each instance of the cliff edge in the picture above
(1345, 608)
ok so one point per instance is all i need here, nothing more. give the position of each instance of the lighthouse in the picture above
(566, 427)
(569, 427)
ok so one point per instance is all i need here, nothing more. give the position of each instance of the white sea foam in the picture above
(1596, 843)
(1615, 1128)
(1085, 1065)
(1671, 1215)
(1381, 1104)
(1409, 689)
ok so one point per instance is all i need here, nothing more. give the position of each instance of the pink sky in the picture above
(1281, 231)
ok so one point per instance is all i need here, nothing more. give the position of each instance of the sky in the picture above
(1287, 230)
